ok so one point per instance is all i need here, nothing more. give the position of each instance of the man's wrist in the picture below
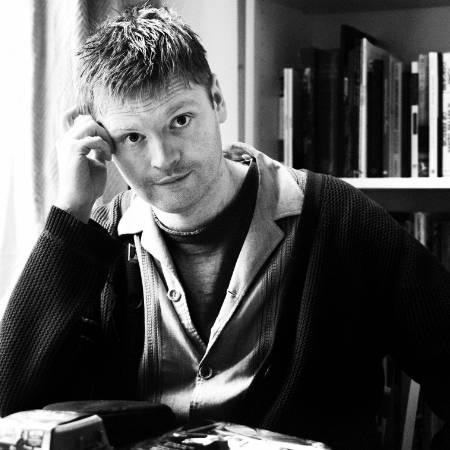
(80, 212)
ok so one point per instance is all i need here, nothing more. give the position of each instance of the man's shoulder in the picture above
(330, 189)
(109, 214)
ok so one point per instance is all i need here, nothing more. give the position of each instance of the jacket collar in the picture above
(279, 196)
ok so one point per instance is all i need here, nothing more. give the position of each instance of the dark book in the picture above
(445, 244)
(423, 130)
(375, 118)
(280, 137)
(406, 128)
(306, 66)
(328, 97)
(351, 117)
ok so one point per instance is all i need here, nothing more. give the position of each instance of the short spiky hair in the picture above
(138, 53)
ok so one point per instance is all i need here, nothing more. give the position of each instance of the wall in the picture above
(216, 22)
(406, 33)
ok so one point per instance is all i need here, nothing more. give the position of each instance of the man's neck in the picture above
(216, 199)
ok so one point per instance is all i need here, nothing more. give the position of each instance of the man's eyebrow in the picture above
(179, 105)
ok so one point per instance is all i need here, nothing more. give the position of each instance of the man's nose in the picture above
(163, 156)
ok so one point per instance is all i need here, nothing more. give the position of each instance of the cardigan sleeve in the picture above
(399, 287)
(63, 277)
(420, 322)
(411, 291)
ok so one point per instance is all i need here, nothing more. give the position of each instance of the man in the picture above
(268, 296)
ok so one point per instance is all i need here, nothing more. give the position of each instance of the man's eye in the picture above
(133, 138)
(181, 121)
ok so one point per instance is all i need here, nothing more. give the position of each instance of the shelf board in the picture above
(336, 6)
(400, 183)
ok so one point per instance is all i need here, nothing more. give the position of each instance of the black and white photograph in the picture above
(225, 224)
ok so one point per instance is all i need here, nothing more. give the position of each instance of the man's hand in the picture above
(83, 151)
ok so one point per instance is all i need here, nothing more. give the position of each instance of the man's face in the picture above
(168, 147)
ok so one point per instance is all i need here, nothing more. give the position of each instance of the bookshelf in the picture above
(407, 194)
(442, 183)
(275, 29)
(271, 33)
(331, 6)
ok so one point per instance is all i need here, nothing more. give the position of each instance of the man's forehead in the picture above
(145, 101)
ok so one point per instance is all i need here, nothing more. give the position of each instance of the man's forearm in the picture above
(63, 276)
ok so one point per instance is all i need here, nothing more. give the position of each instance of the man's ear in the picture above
(218, 101)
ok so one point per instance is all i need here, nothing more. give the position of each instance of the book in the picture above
(351, 118)
(445, 111)
(421, 227)
(350, 46)
(423, 131)
(445, 244)
(434, 109)
(290, 107)
(328, 97)
(414, 113)
(375, 98)
(306, 65)
(392, 122)
(395, 117)
(406, 124)
(369, 52)
(280, 137)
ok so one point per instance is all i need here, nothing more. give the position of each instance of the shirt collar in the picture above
(278, 195)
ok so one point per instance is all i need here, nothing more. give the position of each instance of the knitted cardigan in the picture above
(360, 287)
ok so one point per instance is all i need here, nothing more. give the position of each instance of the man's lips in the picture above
(171, 179)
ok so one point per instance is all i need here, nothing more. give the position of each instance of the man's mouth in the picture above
(171, 179)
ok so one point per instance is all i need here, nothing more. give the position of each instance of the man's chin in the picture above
(171, 206)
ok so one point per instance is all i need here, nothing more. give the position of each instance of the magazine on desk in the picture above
(227, 436)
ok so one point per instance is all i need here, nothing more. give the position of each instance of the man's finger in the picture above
(96, 143)
(71, 114)
(85, 125)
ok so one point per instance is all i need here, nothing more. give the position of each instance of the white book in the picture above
(421, 227)
(369, 52)
(414, 119)
(288, 116)
(446, 114)
(433, 111)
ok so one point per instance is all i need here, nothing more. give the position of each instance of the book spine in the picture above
(375, 118)
(327, 109)
(433, 113)
(362, 132)
(280, 138)
(414, 110)
(421, 227)
(351, 112)
(445, 244)
(305, 109)
(395, 141)
(387, 87)
(288, 110)
(406, 124)
(446, 114)
(309, 112)
(423, 116)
